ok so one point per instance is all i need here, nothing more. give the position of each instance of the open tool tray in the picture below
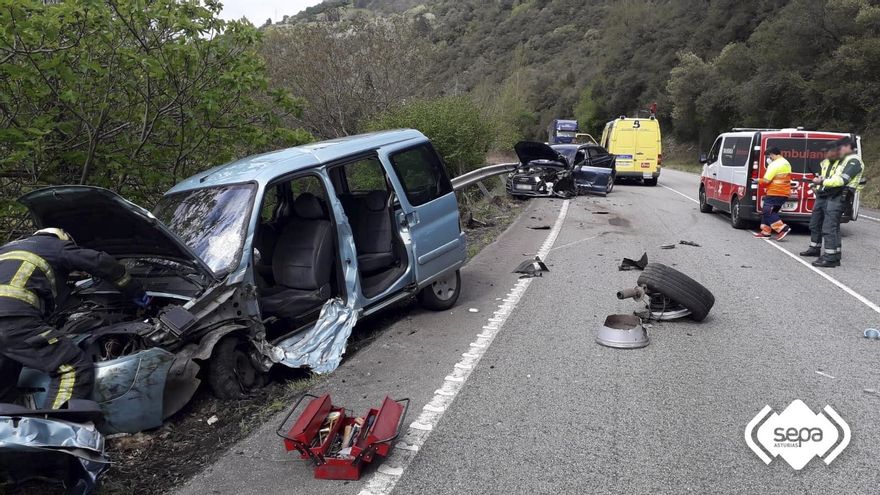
(338, 443)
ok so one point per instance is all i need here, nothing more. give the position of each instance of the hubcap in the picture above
(445, 287)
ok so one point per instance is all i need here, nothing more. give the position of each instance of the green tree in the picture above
(459, 130)
(128, 94)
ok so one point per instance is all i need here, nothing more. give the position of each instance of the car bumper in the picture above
(638, 174)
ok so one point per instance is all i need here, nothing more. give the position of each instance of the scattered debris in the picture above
(600, 213)
(339, 444)
(826, 375)
(540, 227)
(629, 264)
(212, 420)
(746, 266)
(474, 310)
(623, 332)
(872, 333)
(532, 268)
(668, 246)
(473, 223)
(870, 391)
(689, 243)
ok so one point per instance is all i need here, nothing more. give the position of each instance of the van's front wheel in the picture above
(443, 293)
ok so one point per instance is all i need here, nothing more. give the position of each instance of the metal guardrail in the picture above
(474, 176)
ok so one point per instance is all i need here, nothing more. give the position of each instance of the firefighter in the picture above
(777, 180)
(33, 283)
(840, 175)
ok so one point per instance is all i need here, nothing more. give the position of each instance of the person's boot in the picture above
(812, 251)
(825, 262)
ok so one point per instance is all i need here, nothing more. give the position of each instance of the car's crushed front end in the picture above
(543, 172)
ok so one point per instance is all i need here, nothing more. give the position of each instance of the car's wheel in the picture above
(443, 293)
(231, 373)
(610, 184)
(705, 207)
(651, 182)
(679, 288)
(736, 219)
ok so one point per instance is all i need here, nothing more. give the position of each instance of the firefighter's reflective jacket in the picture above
(846, 172)
(34, 271)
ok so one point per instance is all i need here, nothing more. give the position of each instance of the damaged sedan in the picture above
(561, 170)
(269, 260)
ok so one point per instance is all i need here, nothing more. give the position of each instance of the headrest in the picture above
(375, 200)
(308, 206)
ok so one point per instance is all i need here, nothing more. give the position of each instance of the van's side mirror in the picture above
(704, 158)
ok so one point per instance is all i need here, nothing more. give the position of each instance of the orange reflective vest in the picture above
(779, 176)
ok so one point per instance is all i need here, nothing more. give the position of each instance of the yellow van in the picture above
(636, 144)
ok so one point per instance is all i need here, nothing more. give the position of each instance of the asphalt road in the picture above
(536, 406)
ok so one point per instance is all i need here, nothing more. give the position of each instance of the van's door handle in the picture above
(714, 175)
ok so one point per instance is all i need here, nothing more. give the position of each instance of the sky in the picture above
(257, 11)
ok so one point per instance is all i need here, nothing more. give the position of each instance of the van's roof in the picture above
(791, 133)
(267, 166)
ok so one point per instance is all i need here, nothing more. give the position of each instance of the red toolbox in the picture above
(337, 442)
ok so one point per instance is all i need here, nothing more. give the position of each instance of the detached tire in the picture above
(678, 287)
(442, 294)
(231, 374)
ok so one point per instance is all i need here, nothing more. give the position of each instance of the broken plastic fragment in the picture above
(532, 268)
(689, 243)
(628, 264)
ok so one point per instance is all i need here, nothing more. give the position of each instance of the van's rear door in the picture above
(647, 147)
(804, 151)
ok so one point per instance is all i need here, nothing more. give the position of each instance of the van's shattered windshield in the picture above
(211, 221)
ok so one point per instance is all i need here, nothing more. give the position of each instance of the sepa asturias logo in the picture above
(797, 434)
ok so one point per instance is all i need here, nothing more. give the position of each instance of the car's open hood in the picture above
(102, 220)
(529, 151)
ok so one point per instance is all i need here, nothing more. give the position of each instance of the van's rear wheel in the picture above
(443, 293)
(679, 288)
(651, 182)
(736, 219)
(231, 373)
(705, 207)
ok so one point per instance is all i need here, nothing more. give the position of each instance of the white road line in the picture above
(869, 218)
(383, 481)
(680, 193)
(864, 300)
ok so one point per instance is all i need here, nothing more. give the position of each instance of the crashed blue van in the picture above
(268, 260)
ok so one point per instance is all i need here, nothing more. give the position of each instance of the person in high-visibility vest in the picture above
(777, 180)
(837, 180)
(33, 284)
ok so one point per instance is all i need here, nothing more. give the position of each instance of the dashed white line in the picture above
(385, 478)
(862, 215)
(864, 300)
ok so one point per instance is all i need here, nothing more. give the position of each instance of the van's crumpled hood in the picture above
(531, 151)
(102, 220)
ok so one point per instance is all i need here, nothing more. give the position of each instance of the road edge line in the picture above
(385, 479)
(864, 300)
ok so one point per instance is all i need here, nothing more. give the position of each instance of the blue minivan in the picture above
(268, 260)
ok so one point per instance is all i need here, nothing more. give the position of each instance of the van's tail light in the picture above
(659, 158)
(755, 167)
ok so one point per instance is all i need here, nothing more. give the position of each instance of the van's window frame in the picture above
(715, 153)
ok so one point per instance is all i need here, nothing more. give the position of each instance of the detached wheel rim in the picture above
(445, 288)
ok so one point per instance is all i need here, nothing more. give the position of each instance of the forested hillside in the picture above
(710, 64)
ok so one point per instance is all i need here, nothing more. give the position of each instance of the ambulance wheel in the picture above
(736, 219)
(651, 182)
(231, 373)
(678, 287)
(705, 207)
(442, 294)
